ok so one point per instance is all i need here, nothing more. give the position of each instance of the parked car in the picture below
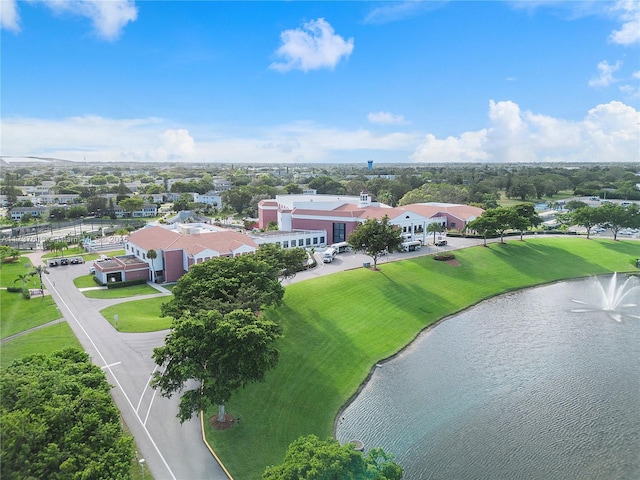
(441, 243)
(77, 260)
(53, 263)
(64, 261)
(92, 270)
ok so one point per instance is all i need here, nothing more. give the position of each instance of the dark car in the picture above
(53, 263)
(64, 261)
(441, 243)
(76, 261)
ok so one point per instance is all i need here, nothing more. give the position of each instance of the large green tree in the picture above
(222, 353)
(525, 217)
(131, 204)
(309, 458)
(286, 261)
(59, 421)
(616, 217)
(226, 284)
(587, 217)
(376, 238)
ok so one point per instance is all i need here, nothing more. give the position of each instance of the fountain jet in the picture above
(611, 298)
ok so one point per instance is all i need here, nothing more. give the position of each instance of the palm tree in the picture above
(434, 228)
(39, 270)
(152, 255)
(23, 278)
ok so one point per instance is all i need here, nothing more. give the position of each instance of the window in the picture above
(144, 256)
(321, 239)
(285, 244)
(453, 224)
(339, 232)
(301, 242)
(308, 241)
(315, 240)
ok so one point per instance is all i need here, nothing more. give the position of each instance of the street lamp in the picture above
(141, 462)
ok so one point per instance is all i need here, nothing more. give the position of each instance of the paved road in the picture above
(170, 450)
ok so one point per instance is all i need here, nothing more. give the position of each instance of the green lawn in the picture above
(18, 314)
(80, 252)
(337, 327)
(46, 340)
(85, 281)
(10, 271)
(124, 292)
(138, 315)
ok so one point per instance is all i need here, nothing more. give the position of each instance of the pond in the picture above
(537, 384)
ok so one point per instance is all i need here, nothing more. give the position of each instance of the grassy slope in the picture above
(337, 327)
(138, 315)
(47, 340)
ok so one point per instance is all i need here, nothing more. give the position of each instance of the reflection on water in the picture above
(519, 387)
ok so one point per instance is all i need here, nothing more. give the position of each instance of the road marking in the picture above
(153, 397)
(108, 367)
(145, 388)
(112, 365)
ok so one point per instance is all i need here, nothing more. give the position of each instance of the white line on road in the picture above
(145, 388)
(112, 365)
(108, 367)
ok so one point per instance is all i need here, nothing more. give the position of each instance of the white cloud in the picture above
(394, 11)
(314, 46)
(108, 17)
(608, 133)
(628, 12)
(606, 72)
(96, 139)
(386, 118)
(9, 18)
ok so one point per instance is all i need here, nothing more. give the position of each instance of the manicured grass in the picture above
(124, 292)
(337, 327)
(10, 271)
(18, 314)
(138, 315)
(46, 340)
(85, 281)
(88, 257)
(67, 252)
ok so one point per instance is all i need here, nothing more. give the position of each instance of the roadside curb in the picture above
(204, 439)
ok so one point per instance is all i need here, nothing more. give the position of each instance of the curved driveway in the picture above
(170, 450)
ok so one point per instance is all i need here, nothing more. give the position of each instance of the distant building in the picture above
(17, 213)
(339, 215)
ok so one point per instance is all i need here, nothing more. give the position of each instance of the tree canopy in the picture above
(376, 238)
(226, 284)
(59, 420)
(221, 352)
(309, 458)
(286, 261)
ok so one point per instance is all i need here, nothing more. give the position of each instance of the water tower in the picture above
(369, 164)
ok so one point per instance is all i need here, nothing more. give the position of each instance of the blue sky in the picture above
(320, 82)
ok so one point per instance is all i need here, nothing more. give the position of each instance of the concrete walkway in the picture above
(29, 330)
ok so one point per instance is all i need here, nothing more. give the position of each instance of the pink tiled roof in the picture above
(159, 238)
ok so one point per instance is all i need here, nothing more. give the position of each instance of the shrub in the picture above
(26, 294)
(444, 256)
(14, 289)
(126, 283)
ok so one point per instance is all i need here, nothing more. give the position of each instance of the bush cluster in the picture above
(126, 283)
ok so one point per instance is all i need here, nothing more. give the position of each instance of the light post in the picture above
(141, 462)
